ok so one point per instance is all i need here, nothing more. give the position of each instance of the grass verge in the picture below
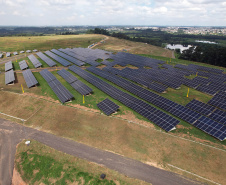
(38, 163)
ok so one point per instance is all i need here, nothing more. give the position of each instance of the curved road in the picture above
(11, 134)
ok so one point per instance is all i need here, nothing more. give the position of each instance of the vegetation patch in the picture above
(38, 163)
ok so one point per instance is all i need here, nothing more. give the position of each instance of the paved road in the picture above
(11, 134)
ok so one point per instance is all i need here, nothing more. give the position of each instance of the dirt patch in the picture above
(131, 117)
(17, 180)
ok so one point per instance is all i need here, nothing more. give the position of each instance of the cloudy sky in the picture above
(113, 12)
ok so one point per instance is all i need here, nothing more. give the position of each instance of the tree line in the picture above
(205, 53)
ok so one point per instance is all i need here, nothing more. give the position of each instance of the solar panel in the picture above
(69, 58)
(211, 127)
(46, 59)
(8, 54)
(160, 118)
(9, 77)
(62, 93)
(219, 116)
(82, 88)
(67, 76)
(23, 65)
(8, 66)
(35, 61)
(58, 59)
(218, 101)
(47, 75)
(29, 78)
(107, 106)
(200, 107)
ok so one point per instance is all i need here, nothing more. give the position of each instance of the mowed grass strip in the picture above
(129, 139)
(39, 163)
(43, 43)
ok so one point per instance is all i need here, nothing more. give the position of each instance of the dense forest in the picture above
(213, 54)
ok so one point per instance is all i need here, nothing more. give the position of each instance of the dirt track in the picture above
(11, 134)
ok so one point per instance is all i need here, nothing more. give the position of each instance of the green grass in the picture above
(41, 164)
(43, 43)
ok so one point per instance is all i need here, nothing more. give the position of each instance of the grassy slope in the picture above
(39, 163)
(122, 137)
(115, 45)
(43, 43)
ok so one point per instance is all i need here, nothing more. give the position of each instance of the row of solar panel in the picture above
(61, 92)
(167, 105)
(79, 86)
(160, 118)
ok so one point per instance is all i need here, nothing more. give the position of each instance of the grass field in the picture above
(43, 43)
(115, 45)
(128, 139)
(39, 163)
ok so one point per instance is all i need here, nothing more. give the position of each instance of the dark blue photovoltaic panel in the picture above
(107, 106)
(9, 77)
(67, 57)
(62, 93)
(218, 101)
(219, 116)
(8, 66)
(46, 59)
(58, 59)
(23, 65)
(160, 118)
(67, 76)
(29, 78)
(35, 61)
(211, 127)
(82, 88)
(200, 107)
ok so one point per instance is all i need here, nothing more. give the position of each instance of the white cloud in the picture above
(94, 12)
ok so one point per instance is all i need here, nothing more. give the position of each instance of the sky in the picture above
(113, 12)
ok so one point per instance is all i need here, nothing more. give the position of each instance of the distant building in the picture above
(15, 53)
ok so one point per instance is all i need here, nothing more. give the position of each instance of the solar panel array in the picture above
(180, 111)
(57, 58)
(8, 54)
(211, 127)
(75, 83)
(107, 106)
(29, 78)
(8, 66)
(87, 55)
(124, 59)
(35, 61)
(62, 93)
(9, 77)
(67, 57)
(23, 65)
(158, 117)
(200, 107)
(218, 101)
(46, 59)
